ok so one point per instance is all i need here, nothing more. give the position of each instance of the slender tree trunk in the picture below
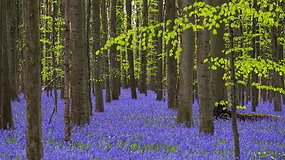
(54, 37)
(105, 52)
(159, 53)
(130, 51)
(185, 97)
(170, 14)
(98, 58)
(143, 72)
(33, 80)
(217, 47)
(114, 52)
(233, 97)
(203, 77)
(255, 54)
(276, 77)
(1, 64)
(80, 111)
(12, 47)
(67, 89)
(7, 108)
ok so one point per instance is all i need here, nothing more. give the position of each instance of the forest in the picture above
(142, 79)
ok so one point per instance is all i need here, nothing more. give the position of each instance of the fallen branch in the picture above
(220, 112)
(243, 116)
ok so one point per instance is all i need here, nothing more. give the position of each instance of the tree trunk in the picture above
(7, 108)
(255, 54)
(159, 53)
(98, 58)
(170, 14)
(185, 97)
(233, 97)
(67, 89)
(114, 53)
(105, 52)
(203, 77)
(12, 47)
(130, 51)
(80, 104)
(143, 75)
(217, 47)
(33, 80)
(1, 64)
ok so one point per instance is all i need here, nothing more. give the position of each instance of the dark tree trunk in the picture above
(233, 97)
(105, 52)
(170, 14)
(12, 47)
(33, 80)
(143, 72)
(98, 57)
(7, 108)
(159, 54)
(67, 76)
(80, 111)
(185, 97)
(130, 51)
(114, 53)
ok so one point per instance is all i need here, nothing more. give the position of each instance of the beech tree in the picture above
(80, 107)
(185, 97)
(98, 58)
(32, 53)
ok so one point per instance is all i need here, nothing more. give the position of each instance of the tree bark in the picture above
(185, 97)
(217, 47)
(1, 64)
(105, 52)
(143, 71)
(34, 148)
(159, 76)
(98, 58)
(130, 51)
(255, 54)
(12, 47)
(67, 76)
(170, 14)
(203, 77)
(7, 108)
(80, 104)
(114, 53)
(233, 97)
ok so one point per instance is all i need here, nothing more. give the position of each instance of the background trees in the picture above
(149, 44)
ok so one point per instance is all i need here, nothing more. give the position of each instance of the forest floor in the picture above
(145, 129)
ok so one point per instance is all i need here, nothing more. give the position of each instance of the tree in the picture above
(255, 54)
(6, 90)
(159, 75)
(216, 50)
(113, 53)
(67, 88)
(203, 77)
(233, 94)
(98, 57)
(143, 71)
(185, 97)
(12, 47)
(105, 52)
(170, 14)
(130, 51)
(80, 111)
(34, 147)
(1, 64)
